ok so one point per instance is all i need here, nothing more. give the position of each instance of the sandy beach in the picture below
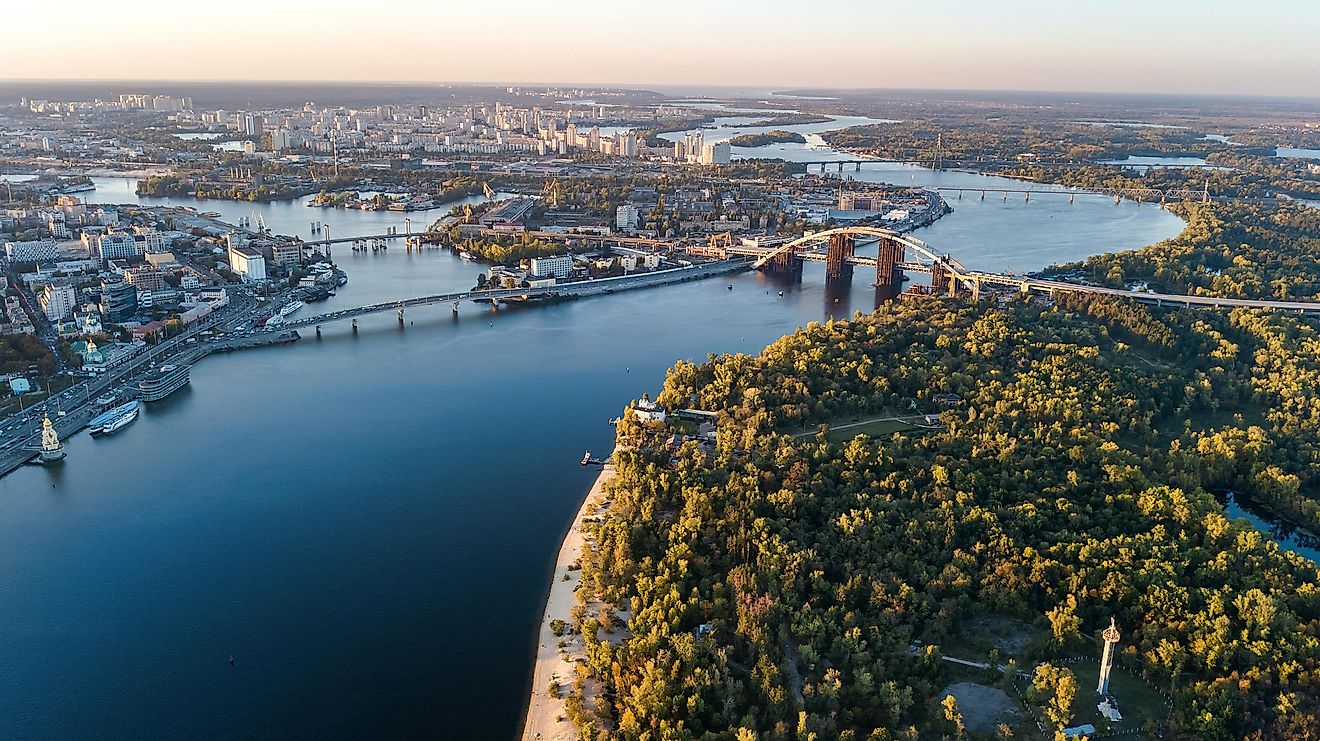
(545, 717)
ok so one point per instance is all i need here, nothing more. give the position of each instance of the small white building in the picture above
(648, 411)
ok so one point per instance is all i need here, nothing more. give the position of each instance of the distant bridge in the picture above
(944, 163)
(899, 253)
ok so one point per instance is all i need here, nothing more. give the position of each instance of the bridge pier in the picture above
(841, 249)
(888, 276)
(787, 263)
(400, 316)
(940, 283)
(318, 331)
(455, 308)
(983, 195)
(354, 326)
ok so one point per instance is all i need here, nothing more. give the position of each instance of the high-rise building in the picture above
(57, 301)
(145, 278)
(627, 217)
(557, 265)
(718, 153)
(117, 246)
(118, 300)
(253, 124)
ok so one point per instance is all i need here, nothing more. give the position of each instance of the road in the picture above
(20, 434)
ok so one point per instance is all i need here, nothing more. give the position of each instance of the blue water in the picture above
(1310, 154)
(1287, 535)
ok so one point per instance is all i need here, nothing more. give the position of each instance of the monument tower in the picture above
(1107, 661)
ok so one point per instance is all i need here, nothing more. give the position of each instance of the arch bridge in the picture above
(899, 253)
(837, 248)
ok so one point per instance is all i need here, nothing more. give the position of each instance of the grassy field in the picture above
(1140, 704)
(876, 428)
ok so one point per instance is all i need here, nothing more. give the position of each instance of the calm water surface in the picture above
(367, 523)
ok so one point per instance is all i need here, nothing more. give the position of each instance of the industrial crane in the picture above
(551, 191)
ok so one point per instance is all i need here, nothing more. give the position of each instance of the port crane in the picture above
(551, 191)
(485, 188)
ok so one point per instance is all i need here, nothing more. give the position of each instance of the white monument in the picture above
(1107, 661)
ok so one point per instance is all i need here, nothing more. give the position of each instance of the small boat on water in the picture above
(587, 460)
(467, 255)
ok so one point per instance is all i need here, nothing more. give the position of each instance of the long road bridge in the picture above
(559, 236)
(897, 254)
(593, 287)
(945, 163)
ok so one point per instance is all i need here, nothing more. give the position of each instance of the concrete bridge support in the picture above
(841, 249)
(787, 263)
(887, 274)
(940, 280)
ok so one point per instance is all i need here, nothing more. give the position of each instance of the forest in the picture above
(777, 136)
(780, 586)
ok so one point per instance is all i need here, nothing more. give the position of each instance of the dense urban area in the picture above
(949, 517)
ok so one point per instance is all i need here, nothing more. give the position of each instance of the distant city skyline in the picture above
(1265, 48)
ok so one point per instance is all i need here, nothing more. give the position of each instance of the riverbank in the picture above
(546, 716)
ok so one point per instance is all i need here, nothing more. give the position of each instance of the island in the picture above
(778, 136)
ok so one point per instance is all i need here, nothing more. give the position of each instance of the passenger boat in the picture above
(98, 424)
(162, 382)
(120, 422)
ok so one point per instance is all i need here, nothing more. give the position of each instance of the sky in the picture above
(1264, 47)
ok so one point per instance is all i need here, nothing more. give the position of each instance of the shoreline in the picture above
(540, 720)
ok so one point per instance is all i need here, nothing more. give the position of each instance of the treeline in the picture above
(1237, 251)
(505, 250)
(19, 351)
(778, 136)
(776, 584)
(181, 187)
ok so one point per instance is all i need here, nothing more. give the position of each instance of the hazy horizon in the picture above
(1124, 46)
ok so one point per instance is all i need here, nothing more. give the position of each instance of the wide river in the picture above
(367, 523)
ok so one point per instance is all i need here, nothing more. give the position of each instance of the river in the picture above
(367, 523)
(1289, 536)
